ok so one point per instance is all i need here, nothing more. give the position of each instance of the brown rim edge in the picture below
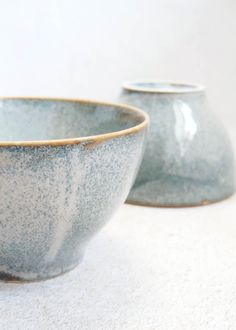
(92, 138)
(205, 202)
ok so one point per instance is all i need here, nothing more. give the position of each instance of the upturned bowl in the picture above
(188, 159)
(65, 167)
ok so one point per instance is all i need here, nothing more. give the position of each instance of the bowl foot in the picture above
(12, 277)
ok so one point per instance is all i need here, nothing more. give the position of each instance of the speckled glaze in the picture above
(65, 167)
(188, 158)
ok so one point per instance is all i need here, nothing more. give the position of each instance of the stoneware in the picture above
(65, 167)
(188, 159)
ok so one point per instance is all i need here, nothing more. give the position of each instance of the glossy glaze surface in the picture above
(54, 198)
(188, 158)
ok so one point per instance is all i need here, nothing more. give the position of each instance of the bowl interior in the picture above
(45, 119)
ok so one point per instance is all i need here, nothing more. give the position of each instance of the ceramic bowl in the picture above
(65, 167)
(188, 159)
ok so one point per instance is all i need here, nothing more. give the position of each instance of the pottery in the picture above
(188, 159)
(65, 167)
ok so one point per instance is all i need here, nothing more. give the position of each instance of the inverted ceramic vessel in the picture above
(188, 159)
(65, 167)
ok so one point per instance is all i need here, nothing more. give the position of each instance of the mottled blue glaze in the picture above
(188, 158)
(55, 197)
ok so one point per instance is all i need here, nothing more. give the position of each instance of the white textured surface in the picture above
(147, 269)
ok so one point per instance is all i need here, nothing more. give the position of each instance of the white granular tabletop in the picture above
(149, 268)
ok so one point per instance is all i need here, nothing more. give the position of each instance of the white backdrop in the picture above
(86, 49)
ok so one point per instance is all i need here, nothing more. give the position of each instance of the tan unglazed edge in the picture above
(189, 87)
(205, 202)
(93, 138)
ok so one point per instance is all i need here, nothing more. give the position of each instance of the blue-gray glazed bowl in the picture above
(188, 159)
(65, 167)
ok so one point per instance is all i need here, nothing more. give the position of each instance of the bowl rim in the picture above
(187, 87)
(91, 138)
